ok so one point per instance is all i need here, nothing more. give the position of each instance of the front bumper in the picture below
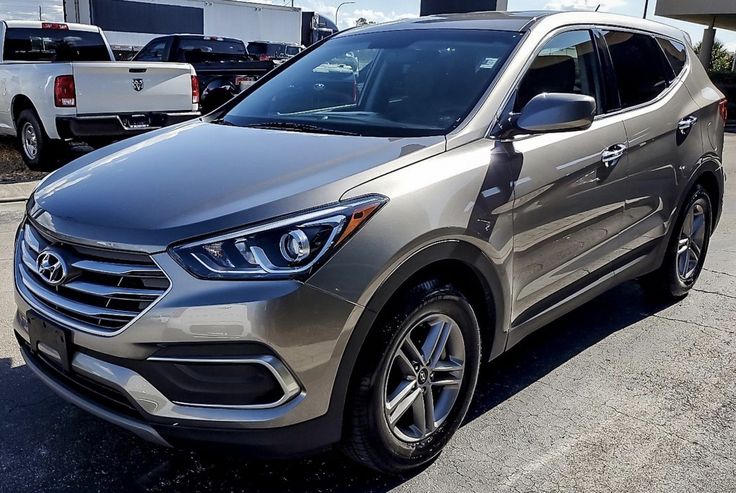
(296, 332)
(117, 126)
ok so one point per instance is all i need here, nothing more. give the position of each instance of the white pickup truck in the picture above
(59, 82)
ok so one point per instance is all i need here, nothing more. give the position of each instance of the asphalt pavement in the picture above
(622, 394)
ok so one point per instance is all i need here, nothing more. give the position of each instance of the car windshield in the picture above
(54, 45)
(396, 83)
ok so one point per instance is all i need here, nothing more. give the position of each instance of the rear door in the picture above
(132, 87)
(662, 128)
(569, 186)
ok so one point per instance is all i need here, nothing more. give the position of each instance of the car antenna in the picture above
(599, 6)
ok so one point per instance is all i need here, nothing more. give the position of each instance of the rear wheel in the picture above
(36, 149)
(415, 381)
(687, 248)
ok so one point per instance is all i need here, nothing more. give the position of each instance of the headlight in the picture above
(284, 248)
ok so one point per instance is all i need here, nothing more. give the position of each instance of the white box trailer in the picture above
(131, 24)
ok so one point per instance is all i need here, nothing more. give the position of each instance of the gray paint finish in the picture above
(543, 219)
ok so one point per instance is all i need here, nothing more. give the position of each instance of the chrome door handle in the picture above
(611, 156)
(684, 125)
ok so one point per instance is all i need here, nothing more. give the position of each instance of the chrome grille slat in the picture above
(31, 241)
(113, 269)
(105, 290)
(54, 298)
(116, 292)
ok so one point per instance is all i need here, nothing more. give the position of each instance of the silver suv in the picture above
(330, 257)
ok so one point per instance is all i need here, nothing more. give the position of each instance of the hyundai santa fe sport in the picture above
(326, 260)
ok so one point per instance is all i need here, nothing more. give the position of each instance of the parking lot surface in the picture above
(622, 394)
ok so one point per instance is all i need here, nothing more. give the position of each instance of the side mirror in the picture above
(556, 112)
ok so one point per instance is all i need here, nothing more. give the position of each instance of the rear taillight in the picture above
(723, 109)
(64, 92)
(195, 90)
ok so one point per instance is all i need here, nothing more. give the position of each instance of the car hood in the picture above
(200, 178)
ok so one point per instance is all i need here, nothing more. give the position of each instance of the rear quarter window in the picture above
(642, 71)
(675, 53)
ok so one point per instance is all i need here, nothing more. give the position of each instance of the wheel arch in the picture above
(461, 264)
(21, 102)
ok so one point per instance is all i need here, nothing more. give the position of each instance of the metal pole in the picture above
(337, 10)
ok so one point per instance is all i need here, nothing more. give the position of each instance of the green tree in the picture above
(722, 60)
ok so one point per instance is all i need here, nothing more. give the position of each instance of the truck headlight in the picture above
(284, 248)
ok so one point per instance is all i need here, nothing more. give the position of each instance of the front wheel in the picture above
(687, 249)
(415, 382)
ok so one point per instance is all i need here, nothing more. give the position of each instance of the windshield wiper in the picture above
(222, 121)
(299, 127)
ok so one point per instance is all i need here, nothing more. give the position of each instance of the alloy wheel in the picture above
(691, 242)
(424, 377)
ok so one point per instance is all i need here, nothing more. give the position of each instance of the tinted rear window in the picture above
(54, 45)
(200, 50)
(675, 53)
(641, 68)
(263, 48)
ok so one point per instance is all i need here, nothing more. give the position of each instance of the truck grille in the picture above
(104, 290)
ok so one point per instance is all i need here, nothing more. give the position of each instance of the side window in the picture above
(568, 63)
(675, 53)
(641, 69)
(153, 52)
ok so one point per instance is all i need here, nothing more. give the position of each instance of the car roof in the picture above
(39, 25)
(521, 21)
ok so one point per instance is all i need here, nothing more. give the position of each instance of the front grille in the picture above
(105, 289)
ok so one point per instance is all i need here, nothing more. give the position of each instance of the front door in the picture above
(568, 190)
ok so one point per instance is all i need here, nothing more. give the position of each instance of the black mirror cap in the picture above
(557, 112)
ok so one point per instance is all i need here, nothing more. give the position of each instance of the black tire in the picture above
(369, 439)
(45, 152)
(666, 282)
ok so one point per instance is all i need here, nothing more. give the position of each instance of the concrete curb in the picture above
(16, 192)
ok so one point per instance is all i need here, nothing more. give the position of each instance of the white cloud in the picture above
(378, 16)
(51, 10)
(349, 14)
(605, 5)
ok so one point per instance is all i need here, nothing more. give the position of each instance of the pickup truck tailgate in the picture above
(125, 87)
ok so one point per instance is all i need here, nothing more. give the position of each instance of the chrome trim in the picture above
(289, 385)
(114, 269)
(142, 430)
(153, 402)
(28, 295)
(71, 305)
(116, 292)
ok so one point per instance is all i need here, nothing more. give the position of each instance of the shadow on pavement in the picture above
(52, 446)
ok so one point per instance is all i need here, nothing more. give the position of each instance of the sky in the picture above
(387, 10)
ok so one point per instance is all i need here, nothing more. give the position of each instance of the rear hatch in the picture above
(132, 87)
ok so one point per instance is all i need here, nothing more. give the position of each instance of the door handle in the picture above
(684, 125)
(612, 155)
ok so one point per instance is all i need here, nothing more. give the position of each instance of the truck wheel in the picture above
(35, 147)
(414, 381)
